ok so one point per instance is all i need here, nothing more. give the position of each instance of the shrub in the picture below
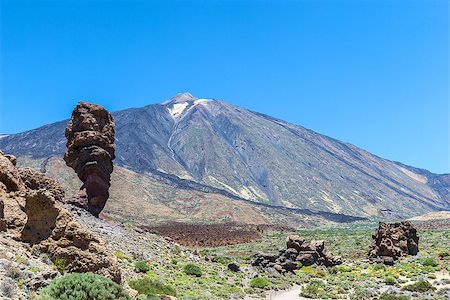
(390, 296)
(83, 286)
(429, 261)
(150, 287)
(192, 269)
(444, 254)
(141, 266)
(419, 286)
(389, 280)
(59, 264)
(120, 255)
(259, 282)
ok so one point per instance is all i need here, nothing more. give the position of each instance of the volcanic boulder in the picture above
(392, 241)
(90, 152)
(30, 213)
(298, 253)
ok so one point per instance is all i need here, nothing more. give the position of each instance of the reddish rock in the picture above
(392, 241)
(90, 152)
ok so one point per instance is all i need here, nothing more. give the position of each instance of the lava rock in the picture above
(298, 253)
(90, 152)
(234, 267)
(392, 241)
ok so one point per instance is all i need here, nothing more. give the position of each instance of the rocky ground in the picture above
(357, 278)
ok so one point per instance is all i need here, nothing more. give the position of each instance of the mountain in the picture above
(214, 147)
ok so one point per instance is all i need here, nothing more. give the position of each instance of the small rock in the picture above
(234, 267)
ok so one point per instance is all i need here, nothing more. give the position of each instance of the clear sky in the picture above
(371, 73)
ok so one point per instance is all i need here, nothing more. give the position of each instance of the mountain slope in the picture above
(203, 144)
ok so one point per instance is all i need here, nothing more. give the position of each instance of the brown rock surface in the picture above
(394, 240)
(35, 180)
(35, 217)
(90, 151)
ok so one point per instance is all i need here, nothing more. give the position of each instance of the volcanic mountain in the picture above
(210, 146)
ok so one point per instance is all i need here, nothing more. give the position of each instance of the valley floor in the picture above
(165, 262)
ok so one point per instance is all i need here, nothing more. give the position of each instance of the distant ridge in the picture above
(211, 145)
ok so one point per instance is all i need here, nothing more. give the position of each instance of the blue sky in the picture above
(371, 73)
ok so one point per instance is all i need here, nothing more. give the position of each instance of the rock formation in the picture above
(298, 253)
(30, 213)
(90, 152)
(392, 241)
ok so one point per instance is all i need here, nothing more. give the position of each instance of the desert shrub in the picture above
(444, 254)
(120, 255)
(149, 297)
(430, 261)
(419, 286)
(83, 286)
(259, 282)
(379, 267)
(141, 266)
(192, 269)
(390, 296)
(60, 265)
(224, 260)
(310, 291)
(389, 280)
(151, 287)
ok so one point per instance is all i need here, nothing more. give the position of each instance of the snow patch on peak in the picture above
(177, 109)
(199, 101)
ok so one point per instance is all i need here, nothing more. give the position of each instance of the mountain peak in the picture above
(182, 103)
(180, 98)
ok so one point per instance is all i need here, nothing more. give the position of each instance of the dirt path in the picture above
(291, 294)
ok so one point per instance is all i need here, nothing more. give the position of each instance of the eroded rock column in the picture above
(90, 152)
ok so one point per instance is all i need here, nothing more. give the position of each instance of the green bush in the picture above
(444, 254)
(259, 282)
(192, 269)
(83, 286)
(419, 286)
(141, 266)
(389, 280)
(390, 296)
(429, 261)
(60, 265)
(150, 287)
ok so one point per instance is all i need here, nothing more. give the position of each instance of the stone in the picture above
(9, 175)
(298, 253)
(394, 240)
(90, 152)
(35, 180)
(233, 266)
(32, 215)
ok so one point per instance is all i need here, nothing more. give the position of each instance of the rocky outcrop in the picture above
(35, 180)
(32, 215)
(298, 253)
(392, 241)
(90, 152)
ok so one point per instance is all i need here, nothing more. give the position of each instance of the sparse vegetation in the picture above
(391, 296)
(60, 265)
(419, 286)
(430, 261)
(83, 286)
(151, 288)
(141, 266)
(259, 282)
(192, 269)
